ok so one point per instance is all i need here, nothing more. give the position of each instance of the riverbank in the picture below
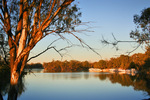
(115, 70)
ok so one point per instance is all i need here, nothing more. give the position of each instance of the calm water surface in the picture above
(82, 86)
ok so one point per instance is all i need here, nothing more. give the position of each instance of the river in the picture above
(82, 86)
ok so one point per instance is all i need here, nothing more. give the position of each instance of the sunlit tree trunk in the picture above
(16, 89)
(18, 65)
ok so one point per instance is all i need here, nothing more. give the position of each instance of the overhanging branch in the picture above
(83, 43)
(116, 42)
(51, 47)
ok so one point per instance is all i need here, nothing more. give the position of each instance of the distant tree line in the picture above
(67, 66)
(139, 61)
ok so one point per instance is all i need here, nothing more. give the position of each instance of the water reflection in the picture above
(10, 91)
(4, 83)
(138, 82)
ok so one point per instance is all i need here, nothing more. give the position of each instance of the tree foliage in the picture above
(142, 32)
(66, 66)
(138, 61)
(4, 49)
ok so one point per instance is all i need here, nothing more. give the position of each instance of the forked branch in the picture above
(116, 42)
(52, 47)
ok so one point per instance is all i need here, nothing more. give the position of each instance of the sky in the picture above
(101, 18)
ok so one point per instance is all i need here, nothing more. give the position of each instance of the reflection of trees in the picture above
(102, 76)
(4, 81)
(142, 83)
(69, 76)
(139, 82)
(21, 86)
(124, 80)
(6, 88)
(86, 76)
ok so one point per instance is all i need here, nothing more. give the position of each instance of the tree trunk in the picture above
(14, 76)
(16, 87)
(13, 92)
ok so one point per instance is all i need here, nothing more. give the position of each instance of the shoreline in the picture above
(131, 71)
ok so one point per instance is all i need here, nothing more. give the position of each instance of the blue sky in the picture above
(105, 17)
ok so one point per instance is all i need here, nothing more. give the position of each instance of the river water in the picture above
(83, 86)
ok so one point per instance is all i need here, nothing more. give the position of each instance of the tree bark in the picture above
(16, 63)
(23, 38)
(14, 76)
(16, 89)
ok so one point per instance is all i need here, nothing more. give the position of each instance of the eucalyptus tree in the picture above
(26, 22)
(142, 31)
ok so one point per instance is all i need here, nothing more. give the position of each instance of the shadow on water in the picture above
(4, 82)
(12, 92)
(138, 82)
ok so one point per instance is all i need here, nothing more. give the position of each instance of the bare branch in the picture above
(51, 47)
(134, 49)
(39, 54)
(53, 42)
(116, 42)
(82, 42)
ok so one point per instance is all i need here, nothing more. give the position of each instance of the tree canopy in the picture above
(142, 31)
